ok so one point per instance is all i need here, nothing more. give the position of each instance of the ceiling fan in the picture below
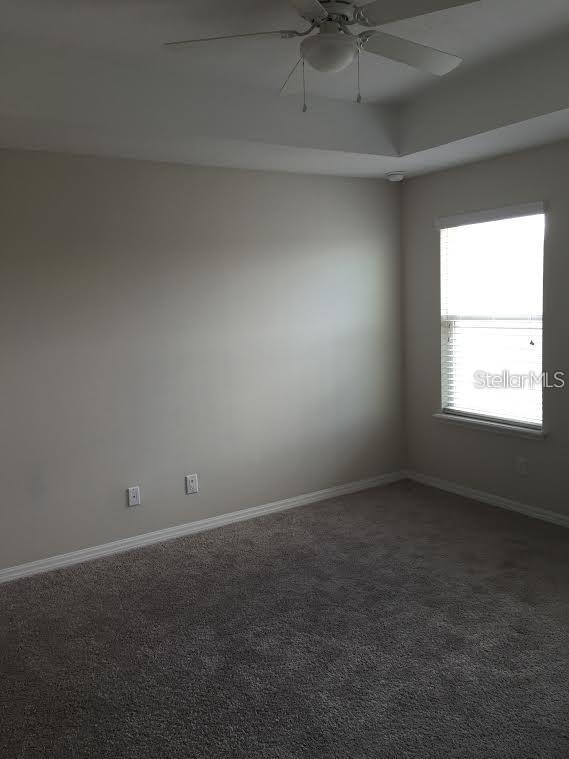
(334, 45)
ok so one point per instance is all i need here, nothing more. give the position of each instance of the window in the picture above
(491, 316)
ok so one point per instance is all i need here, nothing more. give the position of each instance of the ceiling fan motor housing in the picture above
(330, 50)
(339, 9)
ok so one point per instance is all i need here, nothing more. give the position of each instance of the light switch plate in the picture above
(192, 485)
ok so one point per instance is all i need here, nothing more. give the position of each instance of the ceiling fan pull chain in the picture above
(359, 97)
(304, 106)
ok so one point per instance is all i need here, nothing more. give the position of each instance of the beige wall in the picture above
(481, 459)
(158, 320)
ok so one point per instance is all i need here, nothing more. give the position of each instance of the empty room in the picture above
(284, 353)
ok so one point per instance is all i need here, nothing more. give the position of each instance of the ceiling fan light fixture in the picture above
(330, 51)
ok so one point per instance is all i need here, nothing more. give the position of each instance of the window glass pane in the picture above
(495, 269)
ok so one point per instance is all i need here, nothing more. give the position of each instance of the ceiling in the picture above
(83, 75)
(134, 30)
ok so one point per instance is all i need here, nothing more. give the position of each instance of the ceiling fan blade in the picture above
(382, 12)
(418, 56)
(286, 34)
(311, 10)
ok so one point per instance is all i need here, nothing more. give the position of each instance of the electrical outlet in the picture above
(133, 496)
(522, 466)
(192, 486)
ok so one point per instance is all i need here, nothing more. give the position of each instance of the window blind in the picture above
(491, 319)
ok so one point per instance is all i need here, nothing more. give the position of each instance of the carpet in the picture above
(399, 622)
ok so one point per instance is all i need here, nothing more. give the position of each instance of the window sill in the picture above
(502, 428)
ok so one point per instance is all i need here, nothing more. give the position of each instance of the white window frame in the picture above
(478, 421)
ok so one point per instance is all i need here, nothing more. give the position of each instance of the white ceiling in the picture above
(133, 30)
(93, 76)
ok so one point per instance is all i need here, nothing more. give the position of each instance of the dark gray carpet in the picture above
(400, 622)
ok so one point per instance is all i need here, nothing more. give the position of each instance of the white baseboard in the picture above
(492, 500)
(126, 544)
